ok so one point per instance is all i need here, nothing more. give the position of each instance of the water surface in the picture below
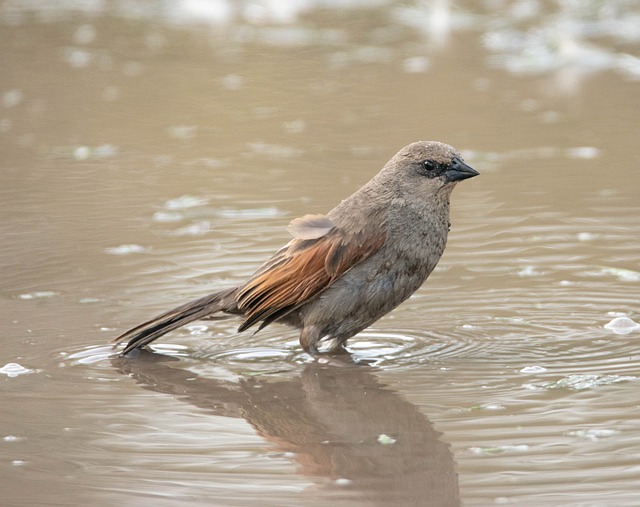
(153, 154)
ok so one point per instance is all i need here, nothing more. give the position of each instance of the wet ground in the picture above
(151, 153)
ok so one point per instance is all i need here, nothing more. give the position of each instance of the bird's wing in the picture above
(319, 254)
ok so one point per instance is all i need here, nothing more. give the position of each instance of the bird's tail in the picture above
(145, 333)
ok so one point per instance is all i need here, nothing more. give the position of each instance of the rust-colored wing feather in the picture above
(301, 270)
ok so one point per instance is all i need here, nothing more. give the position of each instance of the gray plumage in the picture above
(345, 270)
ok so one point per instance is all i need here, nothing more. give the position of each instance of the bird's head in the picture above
(428, 167)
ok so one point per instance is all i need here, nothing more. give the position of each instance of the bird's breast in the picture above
(416, 237)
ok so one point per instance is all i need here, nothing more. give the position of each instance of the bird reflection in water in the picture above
(336, 420)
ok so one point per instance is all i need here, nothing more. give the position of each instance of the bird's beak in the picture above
(460, 171)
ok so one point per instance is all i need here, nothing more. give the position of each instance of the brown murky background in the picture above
(153, 151)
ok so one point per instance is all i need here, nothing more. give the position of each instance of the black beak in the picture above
(459, 171)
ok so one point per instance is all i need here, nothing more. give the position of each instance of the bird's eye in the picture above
(429, 168)
(430, 165)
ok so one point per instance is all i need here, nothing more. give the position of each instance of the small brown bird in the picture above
(344, 270)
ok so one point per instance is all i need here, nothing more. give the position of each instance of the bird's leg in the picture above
(309, 338)
(338, 347)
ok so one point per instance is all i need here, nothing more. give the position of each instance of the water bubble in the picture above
(41, 294)
(233, 82)
(533, 369)
(81, 153)
(85, 34)
(294, 126)
(125, 249)
(197, 329)
(167, 216)
(212, 163)
(183, 132)
(594, 434)
(195, 229)
(583, 152)
(513, 447)
(105, 151)
(622, 325)
(250, 213)
(492, 406)
(626, 275)
(14, 369)
(529, 271)
(550, 117)
(77, 58)
(386, 439)
(12, 98)
(586, 236)
(629, 64)
(185, 201)
(499, 449)
(273, 150)
(416, 65)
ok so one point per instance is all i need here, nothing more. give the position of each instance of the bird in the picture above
(344, 270)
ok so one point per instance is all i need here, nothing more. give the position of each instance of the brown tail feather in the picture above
(154, 328)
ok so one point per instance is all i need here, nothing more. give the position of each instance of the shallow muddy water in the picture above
(152, 153)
